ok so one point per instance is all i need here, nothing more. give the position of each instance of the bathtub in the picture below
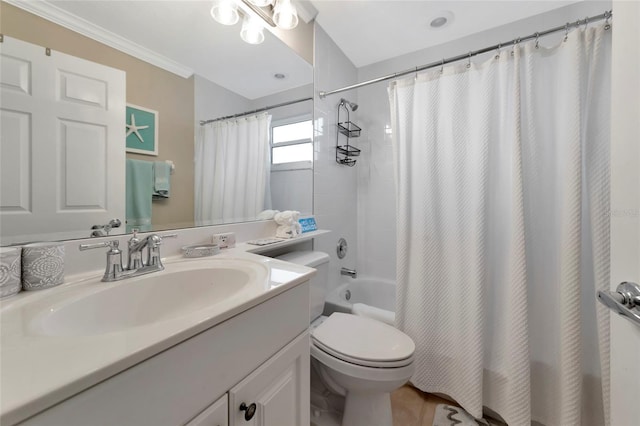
(368, 297)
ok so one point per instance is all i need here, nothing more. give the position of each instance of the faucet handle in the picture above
(134, 259)
(113, 270)
(154, 242)
(163, 236)
(112, 244)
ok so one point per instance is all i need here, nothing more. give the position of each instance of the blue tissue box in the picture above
(308, 224)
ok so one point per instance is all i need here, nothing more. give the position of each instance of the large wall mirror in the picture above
(186, 69)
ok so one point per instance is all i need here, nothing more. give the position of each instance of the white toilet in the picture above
(360, 358)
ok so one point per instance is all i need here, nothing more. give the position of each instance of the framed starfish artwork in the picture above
(142, 130)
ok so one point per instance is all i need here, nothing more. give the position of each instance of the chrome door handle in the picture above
(624, 301)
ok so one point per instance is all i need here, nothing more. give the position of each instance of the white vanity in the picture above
(215, 341)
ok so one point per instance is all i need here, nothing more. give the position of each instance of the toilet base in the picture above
(367, 409)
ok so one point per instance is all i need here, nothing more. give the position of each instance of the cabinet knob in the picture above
(249, 410)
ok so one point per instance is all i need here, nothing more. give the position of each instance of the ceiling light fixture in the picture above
(225, 11)
(285, 15)
(252, 30)
(248, 7)
(261, 3)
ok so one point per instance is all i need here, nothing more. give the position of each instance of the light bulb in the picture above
(261, 3)
(252, 30)
(225, 11)
(285, 15)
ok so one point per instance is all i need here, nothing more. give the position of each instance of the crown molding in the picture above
(68, 20)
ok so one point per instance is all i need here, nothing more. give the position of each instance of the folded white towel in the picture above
(267, 214)
(287, 217)
(288, 231)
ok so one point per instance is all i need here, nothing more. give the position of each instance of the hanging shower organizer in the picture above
(350, 130)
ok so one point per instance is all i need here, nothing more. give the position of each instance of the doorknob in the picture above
(625, 301)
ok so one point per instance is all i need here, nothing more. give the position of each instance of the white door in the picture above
(62, 142)
(625, 208)
(277, 393)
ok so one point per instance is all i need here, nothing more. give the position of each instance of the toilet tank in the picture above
(319, 282)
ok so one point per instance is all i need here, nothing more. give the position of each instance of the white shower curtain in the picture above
(232, 170)
(502, 173)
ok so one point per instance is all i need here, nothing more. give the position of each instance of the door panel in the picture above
(279, 389)
(15, 192)
(62, 142)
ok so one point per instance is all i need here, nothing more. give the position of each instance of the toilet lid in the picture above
(356, 338)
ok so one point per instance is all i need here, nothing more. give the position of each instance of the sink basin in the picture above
(181, 289)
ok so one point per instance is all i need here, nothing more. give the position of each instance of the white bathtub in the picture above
(372, 297)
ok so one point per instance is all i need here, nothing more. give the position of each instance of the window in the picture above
(292, 142)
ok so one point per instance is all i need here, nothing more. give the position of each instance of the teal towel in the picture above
(161, 175)
(139, 193)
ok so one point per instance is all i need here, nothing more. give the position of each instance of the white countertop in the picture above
(39, 371)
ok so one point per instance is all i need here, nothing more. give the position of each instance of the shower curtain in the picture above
(502, 175)
(232, 170)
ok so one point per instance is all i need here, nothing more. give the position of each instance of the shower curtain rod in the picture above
(267, 108)
(606, 15)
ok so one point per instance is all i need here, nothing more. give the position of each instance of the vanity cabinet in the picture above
(259, 356)
(217, 414)
(277, 393)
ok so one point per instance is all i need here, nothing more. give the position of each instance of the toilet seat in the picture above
(361, 362)
(357, 340)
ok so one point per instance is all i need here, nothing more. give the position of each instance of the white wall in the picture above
(376, 187)
(292, 190)
(335, 185)
(625, 206)
(302, 108)
(213, 101)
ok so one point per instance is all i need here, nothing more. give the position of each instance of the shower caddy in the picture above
(350, 130)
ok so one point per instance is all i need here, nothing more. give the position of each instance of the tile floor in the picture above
(412, 407)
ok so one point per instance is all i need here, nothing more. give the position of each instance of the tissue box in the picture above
(308, 224)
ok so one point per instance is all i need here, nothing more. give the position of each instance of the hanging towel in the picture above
(161, 184)
(139, 192)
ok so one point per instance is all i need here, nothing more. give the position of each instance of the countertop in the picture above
(39, 371)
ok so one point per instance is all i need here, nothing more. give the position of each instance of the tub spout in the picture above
(350, 272)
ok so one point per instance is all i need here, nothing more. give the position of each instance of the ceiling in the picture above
(370, 31)
(367, 31)
(184, 32)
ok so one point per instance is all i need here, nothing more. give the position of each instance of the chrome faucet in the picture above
(115, 271)
(349, 272)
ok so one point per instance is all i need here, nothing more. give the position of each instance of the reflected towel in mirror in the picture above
(161, 182)
(139, 194)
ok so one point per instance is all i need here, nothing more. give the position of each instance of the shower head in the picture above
(352, 105)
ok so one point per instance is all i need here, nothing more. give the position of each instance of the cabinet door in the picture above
(215, 415)
(279, 389)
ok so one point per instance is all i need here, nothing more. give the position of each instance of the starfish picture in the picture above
(132, 128)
